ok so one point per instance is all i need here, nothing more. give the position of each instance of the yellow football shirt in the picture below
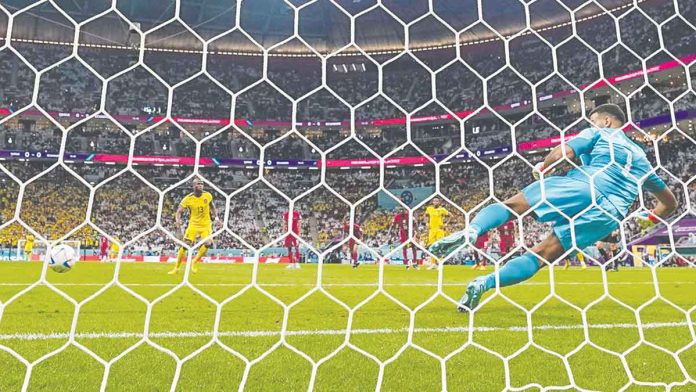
(29, 245)
(199, 209)
(435, 216)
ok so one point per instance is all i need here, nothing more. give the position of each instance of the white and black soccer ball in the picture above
(62, 258)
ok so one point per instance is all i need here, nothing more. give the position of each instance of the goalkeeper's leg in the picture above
(514, 271)
(488, 218)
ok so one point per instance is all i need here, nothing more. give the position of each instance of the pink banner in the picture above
(151, 159)
(375, 162)
(543, 143)
(376, 122)
(554, 141)
(640, 72)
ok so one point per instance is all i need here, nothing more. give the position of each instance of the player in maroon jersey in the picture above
(352, 244)
(103, 248)
(291, 239)
(400, 221)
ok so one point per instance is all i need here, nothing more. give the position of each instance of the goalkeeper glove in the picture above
(646, 217)
(539, 169)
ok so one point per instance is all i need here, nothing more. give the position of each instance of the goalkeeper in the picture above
(597, 195)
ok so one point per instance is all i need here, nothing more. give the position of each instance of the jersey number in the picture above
(629, 161)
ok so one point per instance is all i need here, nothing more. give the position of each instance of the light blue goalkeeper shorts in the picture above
(572, 198)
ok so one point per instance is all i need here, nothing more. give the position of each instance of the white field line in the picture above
(347, 284)
(127, 335)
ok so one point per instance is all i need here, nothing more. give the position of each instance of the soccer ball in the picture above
(61, 258)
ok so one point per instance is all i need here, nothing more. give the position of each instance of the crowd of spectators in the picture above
(128, 205)
(73, 87)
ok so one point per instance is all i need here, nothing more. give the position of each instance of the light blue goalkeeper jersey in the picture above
(621, 180)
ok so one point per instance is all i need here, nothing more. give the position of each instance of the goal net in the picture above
(269, 178)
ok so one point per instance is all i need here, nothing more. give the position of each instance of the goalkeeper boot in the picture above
(472, 296)
(173, 271)
(449, 244)
(194, 267)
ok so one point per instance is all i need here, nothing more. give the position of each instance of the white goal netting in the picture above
(314, 125)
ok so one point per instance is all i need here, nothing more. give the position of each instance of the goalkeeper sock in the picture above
(180, 256)
(490, 217)
(200, 254)
(515, 271)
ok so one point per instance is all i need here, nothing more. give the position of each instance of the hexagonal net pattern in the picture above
(382, 126)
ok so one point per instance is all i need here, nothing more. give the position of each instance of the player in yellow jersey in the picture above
(29, 247)
(113, 249)
(437, 215)
(202, 214)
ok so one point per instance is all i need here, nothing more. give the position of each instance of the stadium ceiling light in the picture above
(343, 54)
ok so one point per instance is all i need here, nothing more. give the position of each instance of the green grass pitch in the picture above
(636, 331)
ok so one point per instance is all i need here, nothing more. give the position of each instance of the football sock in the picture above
(515, 271)
(490, 217)
(200, 254)
(290, 255)
(581, 258)
(180, 256)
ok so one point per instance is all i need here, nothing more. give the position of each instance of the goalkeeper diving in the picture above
(598, 194)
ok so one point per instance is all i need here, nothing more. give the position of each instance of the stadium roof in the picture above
(322, 25)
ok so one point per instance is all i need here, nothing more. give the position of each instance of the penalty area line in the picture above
(184, 334)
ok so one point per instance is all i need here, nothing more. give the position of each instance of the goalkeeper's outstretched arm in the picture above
(666, 203)
(556, 155)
